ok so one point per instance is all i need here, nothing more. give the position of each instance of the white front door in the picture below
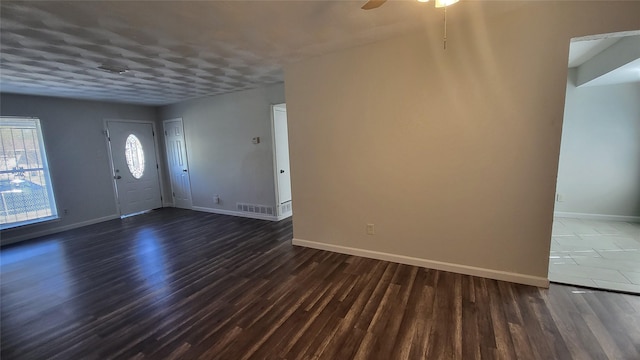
(135, 169)
(177, 162)
(281, 137)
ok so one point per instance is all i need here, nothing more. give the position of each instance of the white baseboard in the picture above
(429, 264)
(236, 213)
(285, 216)
(634, 219)
(58, 229)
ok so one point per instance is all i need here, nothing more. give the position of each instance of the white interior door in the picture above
(135, 168)
(281, 137)
(177, 162)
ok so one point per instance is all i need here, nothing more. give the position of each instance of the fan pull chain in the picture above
(444, 40)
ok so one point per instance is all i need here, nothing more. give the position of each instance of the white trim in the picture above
(429, 264)
(49, 184)
(285, 216)
(107, 140)
(635, 219)
(275, 160)
(156, 146)
(135, 214)
(274, 107)
(36, 234)
(168, 204)
(237, 213)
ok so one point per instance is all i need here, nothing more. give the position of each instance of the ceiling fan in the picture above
(373, 4)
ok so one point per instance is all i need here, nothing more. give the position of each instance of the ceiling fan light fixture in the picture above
(423, 0)
(114, 69)
(445, 3)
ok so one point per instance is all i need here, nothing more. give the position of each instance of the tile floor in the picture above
(601, 254)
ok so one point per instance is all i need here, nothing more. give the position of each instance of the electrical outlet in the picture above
(66, 211)
(371, 229)
(559, 197)
(216, 199)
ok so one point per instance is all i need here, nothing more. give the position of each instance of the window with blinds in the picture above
(26, 194)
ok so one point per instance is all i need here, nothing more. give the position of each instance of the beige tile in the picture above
(573, 280)
(617, 286)
(570, 221)
(627, 228)
(561, 259)
(559, 230)
(587, 242)
(617, 265)
(584, 230)
(609, 231)
(585, 246)
(590, 272)
(579, 251)
(634, 277)
(626, 243)
(619, 254)
(602, 254)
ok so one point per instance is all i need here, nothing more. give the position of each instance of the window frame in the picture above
(49, 187)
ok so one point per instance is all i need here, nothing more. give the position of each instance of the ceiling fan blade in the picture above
(372, 4)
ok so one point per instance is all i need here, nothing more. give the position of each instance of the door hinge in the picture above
(153, 133)
(165, 133)
(174, 194)
(157, 167)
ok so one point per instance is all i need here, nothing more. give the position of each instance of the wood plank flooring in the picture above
(178, 284)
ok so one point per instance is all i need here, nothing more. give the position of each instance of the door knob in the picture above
(184, 170)
(281, 171)
(117, 177)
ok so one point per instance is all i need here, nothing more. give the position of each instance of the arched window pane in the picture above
(135, 156)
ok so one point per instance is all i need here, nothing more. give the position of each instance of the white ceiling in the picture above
(583, 50)
(628, 73)
(176, 50)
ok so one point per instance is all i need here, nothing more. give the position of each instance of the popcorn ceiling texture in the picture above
(176, 50)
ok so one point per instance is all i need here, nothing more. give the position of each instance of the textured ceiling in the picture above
(176, 50)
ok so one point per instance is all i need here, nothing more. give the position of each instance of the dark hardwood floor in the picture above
(178, 284)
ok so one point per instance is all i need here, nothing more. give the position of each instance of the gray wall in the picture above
(222, 159)
(599, 171)
(452, 154)
(78, 156)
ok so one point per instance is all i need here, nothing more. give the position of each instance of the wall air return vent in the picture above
(255, 209)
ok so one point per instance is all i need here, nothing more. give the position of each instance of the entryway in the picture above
(596, 231)
(281, 161)
(134, 164)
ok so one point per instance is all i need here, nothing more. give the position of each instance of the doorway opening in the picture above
(282, 177)
(596, 229)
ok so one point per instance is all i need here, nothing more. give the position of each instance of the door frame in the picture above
(112, 166)
(186, 158)
(279, 215)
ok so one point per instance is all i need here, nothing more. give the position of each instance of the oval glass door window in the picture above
(135, 156)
